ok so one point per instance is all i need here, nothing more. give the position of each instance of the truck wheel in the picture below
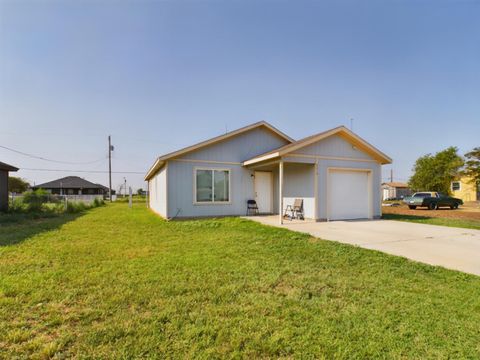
(412, 207)
(433, 206)
(454, 206)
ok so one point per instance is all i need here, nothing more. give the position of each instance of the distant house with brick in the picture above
(4, 170)
(395, 190)
(463, 188)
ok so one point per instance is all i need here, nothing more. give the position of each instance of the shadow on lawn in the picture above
(404, 217)
(15, 228)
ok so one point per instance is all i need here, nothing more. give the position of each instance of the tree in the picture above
(140, 192)
(472, 166)
(436, 172)
(17, 185)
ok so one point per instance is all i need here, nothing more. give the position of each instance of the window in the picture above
(422, 195)
(455, 185)
(212, 186)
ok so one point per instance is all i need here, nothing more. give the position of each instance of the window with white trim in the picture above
(212, 186)
(455, 185)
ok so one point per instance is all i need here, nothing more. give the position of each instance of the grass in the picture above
(115, 282)
(460, 223)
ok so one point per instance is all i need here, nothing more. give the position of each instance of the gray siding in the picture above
(231, 151)
(181, 190)
(240, 148)
(299, 182)
(303, 186)
(334, 146)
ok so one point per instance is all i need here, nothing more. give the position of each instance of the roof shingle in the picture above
(71, 182)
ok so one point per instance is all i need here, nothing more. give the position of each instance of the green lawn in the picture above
(461, 223)
(121, 283)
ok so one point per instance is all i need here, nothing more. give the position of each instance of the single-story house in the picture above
(336, 173)
(463, 188)
(395, 190)
(74, 187)
(4, 170)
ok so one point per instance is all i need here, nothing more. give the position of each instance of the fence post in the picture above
(130, 197)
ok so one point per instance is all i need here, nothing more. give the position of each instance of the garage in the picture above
(349, 194)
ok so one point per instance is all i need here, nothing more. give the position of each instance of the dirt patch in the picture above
(470, 213)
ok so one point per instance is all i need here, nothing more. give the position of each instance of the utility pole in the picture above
(125, 187)
(391, 175)
(110, 149)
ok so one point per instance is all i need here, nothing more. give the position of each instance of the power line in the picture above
(55, 161)
(85, 171)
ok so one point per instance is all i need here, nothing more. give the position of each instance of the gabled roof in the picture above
(161, 160)
(340, 131)
(396, 184)
(4, 166)
(70, 182)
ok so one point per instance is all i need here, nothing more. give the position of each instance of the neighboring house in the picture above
(74, 187)
(464, 189)
(4, 169)
(395, 190)
(336, 173)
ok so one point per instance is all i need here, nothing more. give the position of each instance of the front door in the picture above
(263, 191)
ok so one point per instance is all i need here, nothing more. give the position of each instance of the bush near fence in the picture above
(40, 201)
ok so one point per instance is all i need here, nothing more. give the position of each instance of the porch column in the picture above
(280, 192)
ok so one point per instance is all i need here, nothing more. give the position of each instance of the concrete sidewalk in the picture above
(453, 248)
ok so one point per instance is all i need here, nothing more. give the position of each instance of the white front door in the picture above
(263, 191)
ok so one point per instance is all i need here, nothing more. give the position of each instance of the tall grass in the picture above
(40, 202)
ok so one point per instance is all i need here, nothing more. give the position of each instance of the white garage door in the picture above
(348, 195)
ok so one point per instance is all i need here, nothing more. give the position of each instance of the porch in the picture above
(277, 184)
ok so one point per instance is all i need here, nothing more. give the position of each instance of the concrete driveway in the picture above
(453, 248)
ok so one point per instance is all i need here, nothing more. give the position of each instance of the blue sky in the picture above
(162, 75)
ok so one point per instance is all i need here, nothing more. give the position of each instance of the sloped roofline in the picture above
(78, 183)
(7, 167)
(161, 160)
(342, 131)
(396, 184)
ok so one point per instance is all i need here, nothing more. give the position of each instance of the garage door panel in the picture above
(348, 195)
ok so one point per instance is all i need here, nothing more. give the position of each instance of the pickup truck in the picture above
(432, 200)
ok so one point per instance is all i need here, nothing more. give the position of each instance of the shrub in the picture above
(40, 201)
(17, 206)
(98, 202)
(35, 199)
(76, 206)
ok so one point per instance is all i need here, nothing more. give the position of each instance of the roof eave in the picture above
(9, 168)
(368, 148)
(261, 158)
(211, 141)
(153, 170)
